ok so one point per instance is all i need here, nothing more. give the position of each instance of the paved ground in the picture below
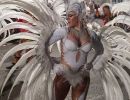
(95, 90)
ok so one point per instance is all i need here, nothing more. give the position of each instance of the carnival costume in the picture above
(110, 46)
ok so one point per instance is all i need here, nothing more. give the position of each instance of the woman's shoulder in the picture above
(61, 30)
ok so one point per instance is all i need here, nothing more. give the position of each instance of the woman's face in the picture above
(72, 19)
(106, 11)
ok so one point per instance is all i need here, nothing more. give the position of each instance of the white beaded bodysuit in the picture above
(73, 54)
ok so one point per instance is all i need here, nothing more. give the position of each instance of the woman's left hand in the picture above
(86, 68)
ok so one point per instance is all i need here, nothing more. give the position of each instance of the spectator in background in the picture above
(18, 55)
(107, 14)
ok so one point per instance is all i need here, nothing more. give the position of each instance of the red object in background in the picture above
(24, 21)
(104, 21)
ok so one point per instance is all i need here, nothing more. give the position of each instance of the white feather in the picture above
(27, 45)
(21, 35)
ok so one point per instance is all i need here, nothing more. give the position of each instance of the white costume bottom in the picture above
(73, 77)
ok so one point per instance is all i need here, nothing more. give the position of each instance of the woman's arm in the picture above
(57, 35)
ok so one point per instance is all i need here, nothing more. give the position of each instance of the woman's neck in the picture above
(78, 27)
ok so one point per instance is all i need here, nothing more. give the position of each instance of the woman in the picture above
(75, 45)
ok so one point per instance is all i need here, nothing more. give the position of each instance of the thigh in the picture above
(79, 92)
(61, 87)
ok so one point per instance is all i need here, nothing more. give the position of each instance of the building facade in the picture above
(114, 1)
(117, 1)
